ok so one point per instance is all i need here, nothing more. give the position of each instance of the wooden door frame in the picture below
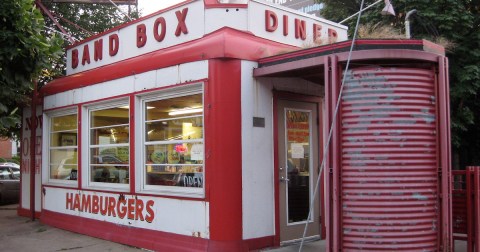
(282, 95)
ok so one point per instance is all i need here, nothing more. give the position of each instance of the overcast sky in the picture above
(149, 6)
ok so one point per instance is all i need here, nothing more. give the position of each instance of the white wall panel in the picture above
(184, 217)
(145, 81)
(64, 98)
(50, 102)
(257, 157)
(139, 82)
(193, 71)
(168, 76)
(217, 18)
(77, 95)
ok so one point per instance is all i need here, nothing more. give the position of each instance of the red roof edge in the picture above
(359, 45)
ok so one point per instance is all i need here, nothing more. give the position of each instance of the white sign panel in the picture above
(27, 125)
(166, 29)
(292, 27)
(196, 153)
(189, 22)
(182, 217)
(297, 150)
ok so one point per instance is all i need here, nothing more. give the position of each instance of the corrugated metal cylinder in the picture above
(389, 169)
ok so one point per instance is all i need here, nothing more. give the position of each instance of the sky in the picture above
(150, 6)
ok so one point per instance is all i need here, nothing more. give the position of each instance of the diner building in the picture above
(206, 126)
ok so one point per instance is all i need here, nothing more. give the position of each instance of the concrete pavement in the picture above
(22, 234)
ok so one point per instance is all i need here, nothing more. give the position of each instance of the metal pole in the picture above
(49, 14)
(358, 12)
(407, 29)
(476, 207)
(118, 8)
(325, 149)
(33, 136)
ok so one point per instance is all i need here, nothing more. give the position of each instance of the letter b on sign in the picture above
(141, 35)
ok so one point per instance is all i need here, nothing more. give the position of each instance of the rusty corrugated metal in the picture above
(389, 169)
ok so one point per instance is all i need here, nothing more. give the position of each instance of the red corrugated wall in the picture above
(389, 171)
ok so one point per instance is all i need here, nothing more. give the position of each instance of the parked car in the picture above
(9, 184)
(11, 164)
(10, 169)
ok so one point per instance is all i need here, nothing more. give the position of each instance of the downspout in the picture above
(407, 23)
(33, 136)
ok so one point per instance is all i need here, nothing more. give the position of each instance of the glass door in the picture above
(298, 169)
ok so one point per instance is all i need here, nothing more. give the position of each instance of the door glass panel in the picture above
(298, 164)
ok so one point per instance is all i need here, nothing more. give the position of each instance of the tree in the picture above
(457, 22)
(25, 51)
(32, 48)
(81, 21)
(84, 20)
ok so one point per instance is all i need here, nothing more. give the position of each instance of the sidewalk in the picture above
(22, 234)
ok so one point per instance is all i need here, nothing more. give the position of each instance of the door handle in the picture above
(283, 179)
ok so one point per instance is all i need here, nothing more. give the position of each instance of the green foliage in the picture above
(81, 21)
(25, 50)
(85, 20)
(459, 23)
(32, 48)
(15, 159)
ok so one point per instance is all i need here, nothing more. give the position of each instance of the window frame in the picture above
(141, 143)
(46, 145)
(86, 145)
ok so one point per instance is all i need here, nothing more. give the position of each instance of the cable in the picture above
(118, 8)
(325, 152)
(61, 33)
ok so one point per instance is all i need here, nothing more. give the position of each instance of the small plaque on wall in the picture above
(259, 122)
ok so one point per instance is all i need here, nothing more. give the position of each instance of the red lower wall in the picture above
(148, 239)
(143, 238)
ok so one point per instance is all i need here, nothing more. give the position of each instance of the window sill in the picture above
(62, 183)
(183, 192)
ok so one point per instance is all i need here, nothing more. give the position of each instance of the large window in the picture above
(173, 143)
(108, 149)
(62, 147)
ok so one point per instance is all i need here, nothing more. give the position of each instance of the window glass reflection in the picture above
(109, 145)
(63, 160)
(174, 142)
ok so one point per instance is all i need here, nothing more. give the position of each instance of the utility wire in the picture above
(118, 8)
(67, 36)
(325, 148)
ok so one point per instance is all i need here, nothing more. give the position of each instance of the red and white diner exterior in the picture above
(201, 128)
